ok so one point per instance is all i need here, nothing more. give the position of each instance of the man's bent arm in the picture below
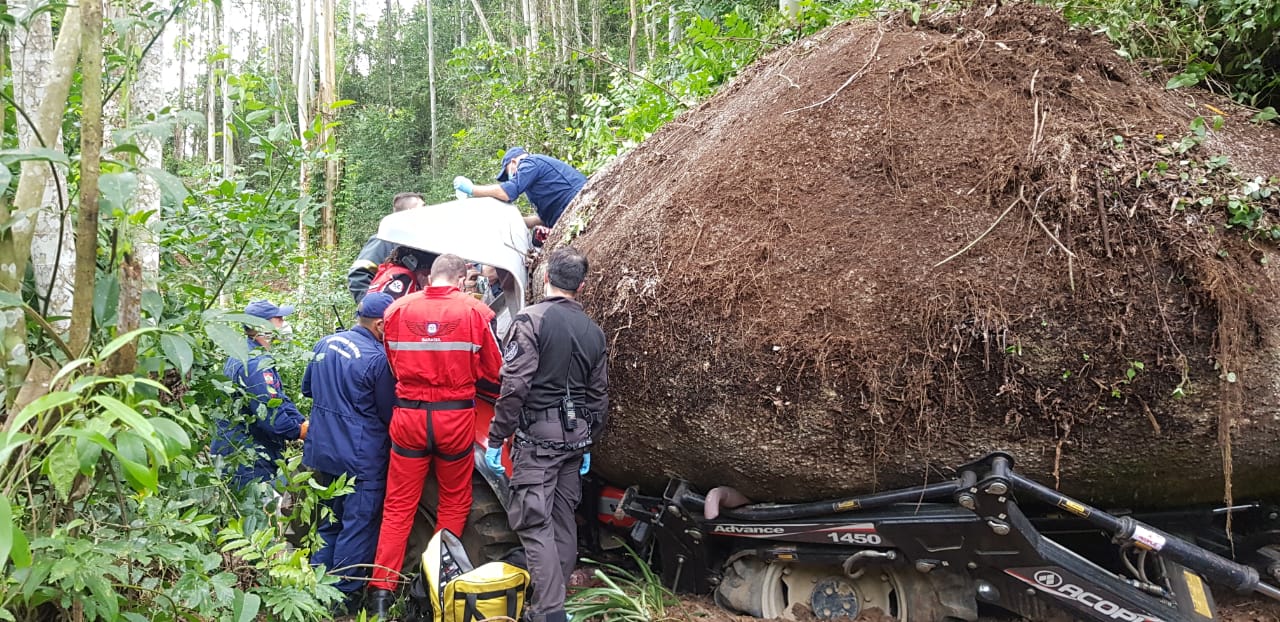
(491, 190)
(520, 362)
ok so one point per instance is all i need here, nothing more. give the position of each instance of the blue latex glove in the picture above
(586, 464)
(493, 460)
(463, 185)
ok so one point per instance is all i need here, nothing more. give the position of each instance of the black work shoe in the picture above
(378, 603)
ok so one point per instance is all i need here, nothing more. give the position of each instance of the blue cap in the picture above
(374, 305)
(266, 310)
(507, 157)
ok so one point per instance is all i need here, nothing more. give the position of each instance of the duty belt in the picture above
(524, 440)
(430, 449)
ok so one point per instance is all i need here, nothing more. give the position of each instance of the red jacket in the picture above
(440, 344)
(394, 279)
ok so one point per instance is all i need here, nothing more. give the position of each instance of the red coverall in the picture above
(440, 345)
(394, 279)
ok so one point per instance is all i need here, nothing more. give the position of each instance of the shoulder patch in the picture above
(512, 351)
(271, 381)
(395, 286)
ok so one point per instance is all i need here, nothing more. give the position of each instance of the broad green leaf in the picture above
(178, 351)
(132, 452)
(123, 340)
(117, 189)
(6, 530)
(106, 299)
(129, 148)
(11, 440)
(171, 187)
(153, 303)
(168, 430)
(21, 553)
(46, 402)
(279, 132)
(68, 368)
(245, 606)
(62, 465)
(229, 339)
(341, 103)
(10, 299)
(140, 476)
(258, 115)
(11, 156)
(126, 414)
(1264, 115)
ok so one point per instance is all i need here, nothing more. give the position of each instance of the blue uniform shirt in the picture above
(353, 392)
(266, 424)
(549, 183)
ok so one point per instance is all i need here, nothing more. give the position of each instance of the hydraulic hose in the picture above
(826, 508)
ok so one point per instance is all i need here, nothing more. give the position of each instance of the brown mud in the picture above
(891, 248)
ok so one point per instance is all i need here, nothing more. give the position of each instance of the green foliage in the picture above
(627, 596)
(1232, 46)
(1210, 183)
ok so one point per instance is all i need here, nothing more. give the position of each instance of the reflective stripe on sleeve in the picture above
(447, 346)
(364, 264)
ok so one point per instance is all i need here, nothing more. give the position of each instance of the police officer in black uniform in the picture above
(555, 379)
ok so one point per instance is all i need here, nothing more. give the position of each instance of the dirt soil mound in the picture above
(894, 247)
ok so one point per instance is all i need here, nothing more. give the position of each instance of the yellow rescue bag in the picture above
(457, 592)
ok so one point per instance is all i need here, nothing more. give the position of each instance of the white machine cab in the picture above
(482, 230)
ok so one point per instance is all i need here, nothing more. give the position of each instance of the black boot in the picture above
(378, 603)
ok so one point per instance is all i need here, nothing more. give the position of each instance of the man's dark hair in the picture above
(567, 268)
(421, 260)
(402, 200)
(450, 267)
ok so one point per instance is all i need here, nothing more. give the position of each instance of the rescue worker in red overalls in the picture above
(440, 346)
(403, 272)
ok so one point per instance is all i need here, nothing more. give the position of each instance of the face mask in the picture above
(285, 332)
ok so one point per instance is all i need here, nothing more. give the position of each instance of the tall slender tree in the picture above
(431, 79)
(53, 243)
(302, 84)
(327, 98)
(228, 135)
(211, 86)
(90, 167)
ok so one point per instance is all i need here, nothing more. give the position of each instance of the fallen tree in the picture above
(891, 248)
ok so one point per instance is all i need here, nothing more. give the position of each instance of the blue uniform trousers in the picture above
(351, 536)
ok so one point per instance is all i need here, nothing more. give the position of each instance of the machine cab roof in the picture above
(481, 230)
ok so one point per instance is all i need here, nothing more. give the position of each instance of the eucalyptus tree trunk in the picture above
(484, 23)
(651, 32)
(90, 167)
(328, 95)
(531, 24)
(179, 135)
(789, 8)
(674, 33)
(431, 78)
(146, 98)
(210, 87)
(52, 244)
(15, 244)
(631, 39)
(306, 17)
(228, 140)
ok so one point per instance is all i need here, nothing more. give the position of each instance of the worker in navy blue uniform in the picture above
(376, 251)
(353, 393)
(269, 419)
(550, 185)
